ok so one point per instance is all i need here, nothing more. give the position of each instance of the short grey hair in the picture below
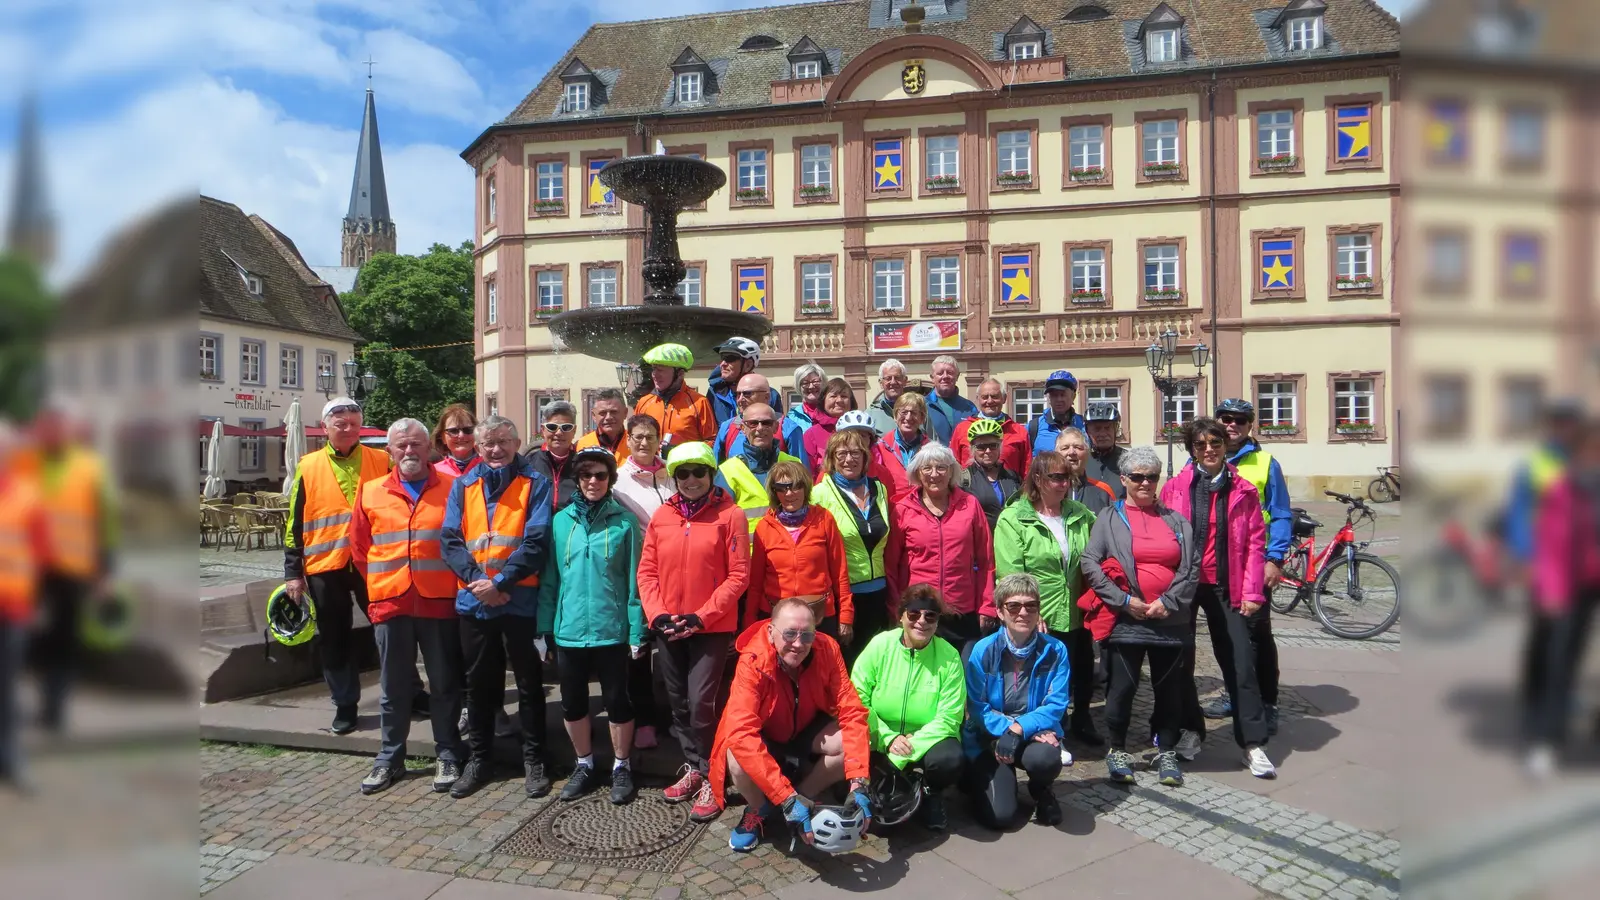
(1140, 459)
(932, 452)
(559, 408)
(491, 424)
(809, 368)
(608, 394)
(993, 379)
(946, 360)
(1072, 431)
(890, 365)
(1017, 584)
(401, 426)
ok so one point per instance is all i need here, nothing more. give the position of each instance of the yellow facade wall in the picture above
(943, 79)
(1316, 265)
(1312, 140)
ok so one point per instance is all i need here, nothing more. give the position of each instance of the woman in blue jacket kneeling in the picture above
(589, 603)
(1018, 682)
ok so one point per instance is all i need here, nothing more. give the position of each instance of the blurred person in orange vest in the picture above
(24, 543)
(682, 412)
(81, 540)
(395, 543)
(316, 551)
(609, 410)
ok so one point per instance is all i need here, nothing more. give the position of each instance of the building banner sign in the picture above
(913, 337)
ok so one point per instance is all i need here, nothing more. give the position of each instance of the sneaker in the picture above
(687, 785)
(1084, 732)
(1189, 743)
(622, 789)
(445, 775)
(1220, 708)
(1047, 812)
(536, 782)
(1272, 719)
(474, 775)
(1167, 771)
(380, 778)
(747, 834)
(344, 719)
(581, 782)
(705, 807)
(644, 737)
(1119, 766)
(421, 705)
(1260, 765)
(931, 811)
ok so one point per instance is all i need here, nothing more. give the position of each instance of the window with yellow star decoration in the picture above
(1522, 265)
(888, 164)
(1444, 132)
(1016, 279)
(1278, 258)
(751, 288)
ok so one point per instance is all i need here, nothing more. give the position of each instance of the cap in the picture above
(339, 404)
(1061, 378)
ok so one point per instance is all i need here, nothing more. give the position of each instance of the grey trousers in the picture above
(398, 641)
(13, 642)
(691, 670)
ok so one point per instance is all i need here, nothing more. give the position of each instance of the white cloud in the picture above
(425, 79)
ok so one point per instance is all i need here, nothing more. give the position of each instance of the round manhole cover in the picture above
(238, 780)
(593, 828)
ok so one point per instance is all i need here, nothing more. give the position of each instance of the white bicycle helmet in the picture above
(744, 348)
(836, 829)
(856, 418)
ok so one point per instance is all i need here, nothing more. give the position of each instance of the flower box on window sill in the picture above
(1173, 296)
(1355, 428)
(1281, 161)
(1347, 283)
(1162, 170)
(548, 312)
(1087, 173)
(1088, 298)
(816, 192)
(943, 183)
(816, 309)
(550, 207)
(752, 195)
(1015, 179)
(603, 209)
(1171, 433)
(1278, 430)
(209, 375)
(943, 303)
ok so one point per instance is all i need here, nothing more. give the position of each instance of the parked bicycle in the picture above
(1354, 594)
(1466, 575)
(1386, 487)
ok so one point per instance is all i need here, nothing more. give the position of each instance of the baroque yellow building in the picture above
(1028, 186)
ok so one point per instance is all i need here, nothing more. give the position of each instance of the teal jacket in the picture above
(921, 694)
(1023, 543)
(588, 594)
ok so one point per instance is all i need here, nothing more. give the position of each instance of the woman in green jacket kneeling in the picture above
(1043, 532)
(915, 692)
(589, 603)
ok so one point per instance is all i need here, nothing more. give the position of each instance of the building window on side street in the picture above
(602, 287)
(552, 181)
(1353, 402)
(944, 282)
(816, 168)
(289, 367)
(206, 423)
(250, 458)
(889, 284)
(1160, 269)
(1014, 153)
(1276, 403)
(690, 288)
(209, 358)
(489, 206)
(1182, 405)
(250, 353)
(944, 158)
(552, 291)
(753, 169)
(816, 287)
(1087, 145)
(1161, 142)
(1028, 403)
(491, 302)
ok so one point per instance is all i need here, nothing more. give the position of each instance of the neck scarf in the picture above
(1202, 492)
(793, 519)
(905, 450)
(1025, 650)
(849, 484)
(462, 467)
(690, 508)
(654, 466)
(819, 417)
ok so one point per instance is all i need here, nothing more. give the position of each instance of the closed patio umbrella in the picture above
(215, 487)
(294, 444)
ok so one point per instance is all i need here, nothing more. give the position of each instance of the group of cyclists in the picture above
(870, 606)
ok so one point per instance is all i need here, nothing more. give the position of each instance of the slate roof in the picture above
(1217, 33)
(1530, 32)
(145, 274)
(292, 297)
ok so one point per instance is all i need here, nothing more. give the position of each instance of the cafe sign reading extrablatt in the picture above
(251, 401)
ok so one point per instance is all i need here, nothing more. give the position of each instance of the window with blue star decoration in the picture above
(1445, 135)
(1524, 254)
(1016, 279)
(1277, 265)
(888, 164)
(1353, 132)
(753, 290)
(599, 194)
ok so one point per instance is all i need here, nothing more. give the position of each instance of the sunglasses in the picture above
(598, 475)
(921, 615)
(1017, 609)
(1228, 419)
(459, 432)
(559, 427)
(760, 423)
(751, 393)
(343, 409)
(985, 447)
(1058, 477)
(793, 635)
(784, 487)
(1209, 444)
(732, 359)
(694, 472)
(1141, 478)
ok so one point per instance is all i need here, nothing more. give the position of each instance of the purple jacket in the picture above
(1566, 549)
(1247, 532)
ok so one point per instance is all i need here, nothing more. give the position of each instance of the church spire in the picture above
(30, 228)
(367, 228)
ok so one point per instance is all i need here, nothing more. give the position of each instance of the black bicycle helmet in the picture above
(895, 793)
(597, 455)
(1237, 407)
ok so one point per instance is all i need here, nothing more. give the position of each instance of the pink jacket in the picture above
(450, 468)
(1247, 532)
(1566, 548)
(954, 553)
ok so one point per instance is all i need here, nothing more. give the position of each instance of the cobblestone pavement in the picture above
(225, 565)
(220, 864)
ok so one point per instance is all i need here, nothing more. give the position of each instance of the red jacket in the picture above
(954, 553)
(768, 704)
(1097, 617)
(1016, 451)
(889, 469)
(411, 603)
(810, 564)
(1566, 549)
(1247, 532)
(699, 565)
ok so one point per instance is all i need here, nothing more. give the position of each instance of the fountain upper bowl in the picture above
(678, 181)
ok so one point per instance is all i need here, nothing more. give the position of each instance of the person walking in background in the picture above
(837, 399)
(1060, 391)
(893, 452)
(1015, 450)
(754, 388)
(915, 691)
(943, 539)
(1043, 533)
(495, 538)
(678, 409)
(609, 410)
(643, 485)
(893, 380)
(553, 458)
(589, 606)
(24, 546)
(946, 407)
(737, 357)
(453, 441)
(745, 476)
(796, 551)
(694, 568)
(395, 544)
(1093, 493)
(985, 477)
(808, 382)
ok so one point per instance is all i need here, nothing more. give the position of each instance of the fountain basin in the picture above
(623, 334)
(665, 181)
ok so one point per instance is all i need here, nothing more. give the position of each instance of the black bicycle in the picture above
(1386, 487)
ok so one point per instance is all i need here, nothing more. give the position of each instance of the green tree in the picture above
(415, 301)
(26, 311)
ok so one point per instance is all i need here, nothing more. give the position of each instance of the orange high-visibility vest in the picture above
(72, 508)
(405, 541)
(491, 545)
(326, 514)
(19, 570)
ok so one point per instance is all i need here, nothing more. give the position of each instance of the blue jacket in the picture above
(986, 692)
(723, 402)
(527, 559)
(1527, 492)
(947, 414)
(588, 595)
(1044, 430)
(730, 438)
(1275, 501)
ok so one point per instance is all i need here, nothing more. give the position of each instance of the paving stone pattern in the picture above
(221, 864)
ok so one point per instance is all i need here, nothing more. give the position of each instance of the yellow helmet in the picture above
(692, 453)
(674, 356)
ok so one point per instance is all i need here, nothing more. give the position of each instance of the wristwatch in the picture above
(858, 784)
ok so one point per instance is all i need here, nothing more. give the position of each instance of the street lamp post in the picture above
(1158, 358)
(357, 384)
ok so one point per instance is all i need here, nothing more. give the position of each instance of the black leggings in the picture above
(1241, 656)
(1166, 682)
(993, 786)
(1551, 661)
(610, 663)
(1080, 658)
(943, 764)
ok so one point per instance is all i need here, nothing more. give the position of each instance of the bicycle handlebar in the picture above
(1348, 500)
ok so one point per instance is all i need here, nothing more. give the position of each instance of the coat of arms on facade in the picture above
(914, 77)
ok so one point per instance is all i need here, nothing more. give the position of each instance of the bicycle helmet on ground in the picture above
(108, 621)
(984, 428)
(1061, 378)
(673, 356)
(290, 621)
(896, 793)
(692, 453)
(744, 348)
(1237, 407)
(856, 418)
(1103, 412)
(837, 829)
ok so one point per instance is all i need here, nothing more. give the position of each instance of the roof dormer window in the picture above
(252, 283)
(582, 89)
(1025, 40)
(576, 97)
(1027, 50)
(809, 68)
(692, 78)
(760, 42)
(688, 87)
(1301, 22)
(1162, 34)
(807, 60)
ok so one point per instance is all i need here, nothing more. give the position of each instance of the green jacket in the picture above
(589, 594)
(918, 693)
(1023, 543)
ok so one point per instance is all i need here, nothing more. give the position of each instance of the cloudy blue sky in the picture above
(259, 102)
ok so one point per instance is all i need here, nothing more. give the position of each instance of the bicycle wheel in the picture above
(1379, 490)
(1362, 609)
(1285, 597)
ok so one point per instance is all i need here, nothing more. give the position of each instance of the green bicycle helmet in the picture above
(690, 454)
(107, 623)
(673, 356)
(290, 622)
(982, 428)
